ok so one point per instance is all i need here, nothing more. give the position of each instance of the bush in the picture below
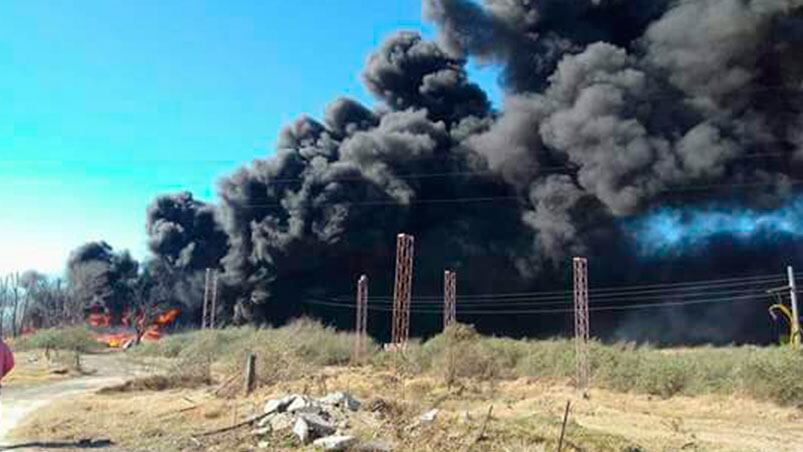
(460, 352)
(77, 339)
(293, 351)
(282, 353)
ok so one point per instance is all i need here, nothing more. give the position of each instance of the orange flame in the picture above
(99, 320)
(119, 339)
(167, 317)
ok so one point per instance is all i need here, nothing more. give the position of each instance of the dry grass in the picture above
(138, 421)
(766, 373)
(159, 383)
(526, 416)
(642, 398)
(31, 368)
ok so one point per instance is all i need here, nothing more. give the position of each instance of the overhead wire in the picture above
(592, 300)
(609, 291)
(614, 298)
(550, 311)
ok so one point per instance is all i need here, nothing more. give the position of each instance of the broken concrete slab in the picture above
(318, 424)
(302, 404)
(302, 430)
(340, 399)
(279, 405)
(281, 421)
(335, 442)
(310, 426)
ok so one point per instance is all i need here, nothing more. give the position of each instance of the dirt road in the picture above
(17, 402)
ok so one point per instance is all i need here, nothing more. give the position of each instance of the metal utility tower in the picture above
(449, 298)
(581, 325)
(400, 330)
(210, 299)
(362, 317)
(792, 314)
(795, 338)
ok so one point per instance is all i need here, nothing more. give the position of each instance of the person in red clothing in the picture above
(6, 360)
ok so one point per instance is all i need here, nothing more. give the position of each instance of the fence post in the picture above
(250, 373)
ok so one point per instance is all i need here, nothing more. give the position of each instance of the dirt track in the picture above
(17, 402)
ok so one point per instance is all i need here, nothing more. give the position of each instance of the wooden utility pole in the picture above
(581, 325)
(213, 313)
(361, 337)
(210, 299)
(206, 300)
(400, 330)
(794, 338)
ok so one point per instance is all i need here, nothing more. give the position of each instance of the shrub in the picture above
(460, 352)
(77, 339)
(292, 351)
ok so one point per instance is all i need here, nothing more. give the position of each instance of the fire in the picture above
(99, 320)
(123, 334)
(167, 317)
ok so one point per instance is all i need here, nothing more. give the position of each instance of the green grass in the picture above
(765, 373)
(77, 339)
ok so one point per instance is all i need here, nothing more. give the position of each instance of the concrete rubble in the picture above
(335, 442)
(322, 422)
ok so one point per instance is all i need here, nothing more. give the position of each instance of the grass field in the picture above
(763, 373)
(642, 398)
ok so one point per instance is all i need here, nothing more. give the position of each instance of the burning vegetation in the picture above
(133, 327)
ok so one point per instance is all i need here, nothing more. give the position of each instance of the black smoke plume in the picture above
(99, 276)
(614, 109)
(185, 238)
(184, 232)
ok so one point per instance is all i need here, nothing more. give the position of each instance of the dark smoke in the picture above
(99, 276)
(614, 110)
(185, 238)
(184, 232)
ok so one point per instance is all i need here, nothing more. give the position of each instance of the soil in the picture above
(527, 416)
(25, 393)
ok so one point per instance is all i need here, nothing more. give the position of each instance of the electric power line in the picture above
(593, 301)
(481, 199)
(611, 291)
(554, 311)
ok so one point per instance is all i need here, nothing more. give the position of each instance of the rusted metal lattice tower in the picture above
(581, 325)
(362, 317)
(210, 299)
(449, 298)
(400, 330)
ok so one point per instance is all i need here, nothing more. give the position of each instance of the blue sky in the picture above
(106, 103)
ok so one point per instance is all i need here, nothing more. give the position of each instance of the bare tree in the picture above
(5, 295)
(47, 303)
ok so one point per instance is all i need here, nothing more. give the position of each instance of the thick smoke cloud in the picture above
(185, 238)
(329, 204)
(695, 95)
(529, 38)
(185, 233)
(614, 109)
(97, 275)
(410, 72)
